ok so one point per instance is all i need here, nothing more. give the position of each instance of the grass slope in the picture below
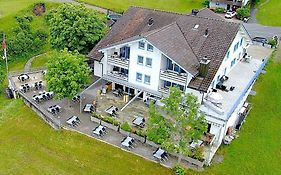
(182, 6)
(269, 14)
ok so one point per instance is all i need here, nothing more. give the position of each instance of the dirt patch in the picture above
(277, 56)
(39, 9)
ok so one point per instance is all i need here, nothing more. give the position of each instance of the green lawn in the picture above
(270, 14)
(182, 6)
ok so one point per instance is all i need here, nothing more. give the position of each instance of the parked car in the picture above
(260, 40)
(230, 14)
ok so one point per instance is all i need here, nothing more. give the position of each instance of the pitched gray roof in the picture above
(174, 34)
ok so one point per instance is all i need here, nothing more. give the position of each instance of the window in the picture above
(139, 77)
(241, 42)
(140, 60)
(141, 45)
(149, 47)
(148, 62)
(147, 79)
(227, 56)
(233, 62)
(125, 52)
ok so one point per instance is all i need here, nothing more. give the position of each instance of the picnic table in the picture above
(139, 121)
(73, 121)
(99, 130)
(54, 109)
(88, 108)
(195, 144)
(160, 154)
(25, 87)
(23, 77)
(128, 142)
(111, 110)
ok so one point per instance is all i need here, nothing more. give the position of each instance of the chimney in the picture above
(206, 32)
(204, 67)
(194, 12)
(150, 21)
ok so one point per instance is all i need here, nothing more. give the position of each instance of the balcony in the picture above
(163, 90)
(115, 60)
(118, 75)
(172, 76)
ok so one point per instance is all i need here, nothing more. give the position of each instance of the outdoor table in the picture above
(88, 108)
(195, 144)
(99, 130)
(111, 110)
(139, 121)
(127, 142)
(72, 119)
(23, 77)
(159, 154)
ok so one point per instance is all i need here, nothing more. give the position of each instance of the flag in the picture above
(4, 44)
(4, 47)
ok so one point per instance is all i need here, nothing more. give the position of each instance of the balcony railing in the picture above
(118, 75)
(164, 90)
(172, 76)
(117, 61)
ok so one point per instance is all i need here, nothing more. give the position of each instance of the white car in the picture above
(230, 14)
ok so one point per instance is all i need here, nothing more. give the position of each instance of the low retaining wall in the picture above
(45, 116)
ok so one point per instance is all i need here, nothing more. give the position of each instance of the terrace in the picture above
(241, 79)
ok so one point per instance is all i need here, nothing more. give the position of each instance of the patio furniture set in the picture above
(54, 109)
(43, 96)
(73, 121)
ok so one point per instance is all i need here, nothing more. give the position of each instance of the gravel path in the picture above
(100, 9)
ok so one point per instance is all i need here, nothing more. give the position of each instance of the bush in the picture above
(126, 127)
(111, 120)
(219, 10)
(197, 153)
(178, 170)
(243, 12)
(272, 42)
(206, 3)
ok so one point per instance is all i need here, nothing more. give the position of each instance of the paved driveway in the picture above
(262, 31)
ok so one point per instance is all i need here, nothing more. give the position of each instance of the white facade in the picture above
(228, 5)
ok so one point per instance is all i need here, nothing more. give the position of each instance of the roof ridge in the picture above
(187, 41)
(157, 30)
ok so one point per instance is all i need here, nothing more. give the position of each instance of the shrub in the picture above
(206, 3)
(272, 42)
(111, 120)
(243, 12)
(197, 153)
(126, 127)
(178, 170)
(219, 10)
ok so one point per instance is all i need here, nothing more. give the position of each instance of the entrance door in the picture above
(228, 7)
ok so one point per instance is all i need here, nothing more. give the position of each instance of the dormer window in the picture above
(141, 45)
(149, 48)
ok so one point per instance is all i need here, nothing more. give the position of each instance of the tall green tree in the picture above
(67, 74)
(75, 27)
(186, 123)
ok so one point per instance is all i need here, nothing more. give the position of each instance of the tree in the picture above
(243, 12)
(158, 128)
(67, 74)
(75, 27)
(187, 122)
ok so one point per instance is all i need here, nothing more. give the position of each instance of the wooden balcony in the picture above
(174, 77)
(115, 60)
